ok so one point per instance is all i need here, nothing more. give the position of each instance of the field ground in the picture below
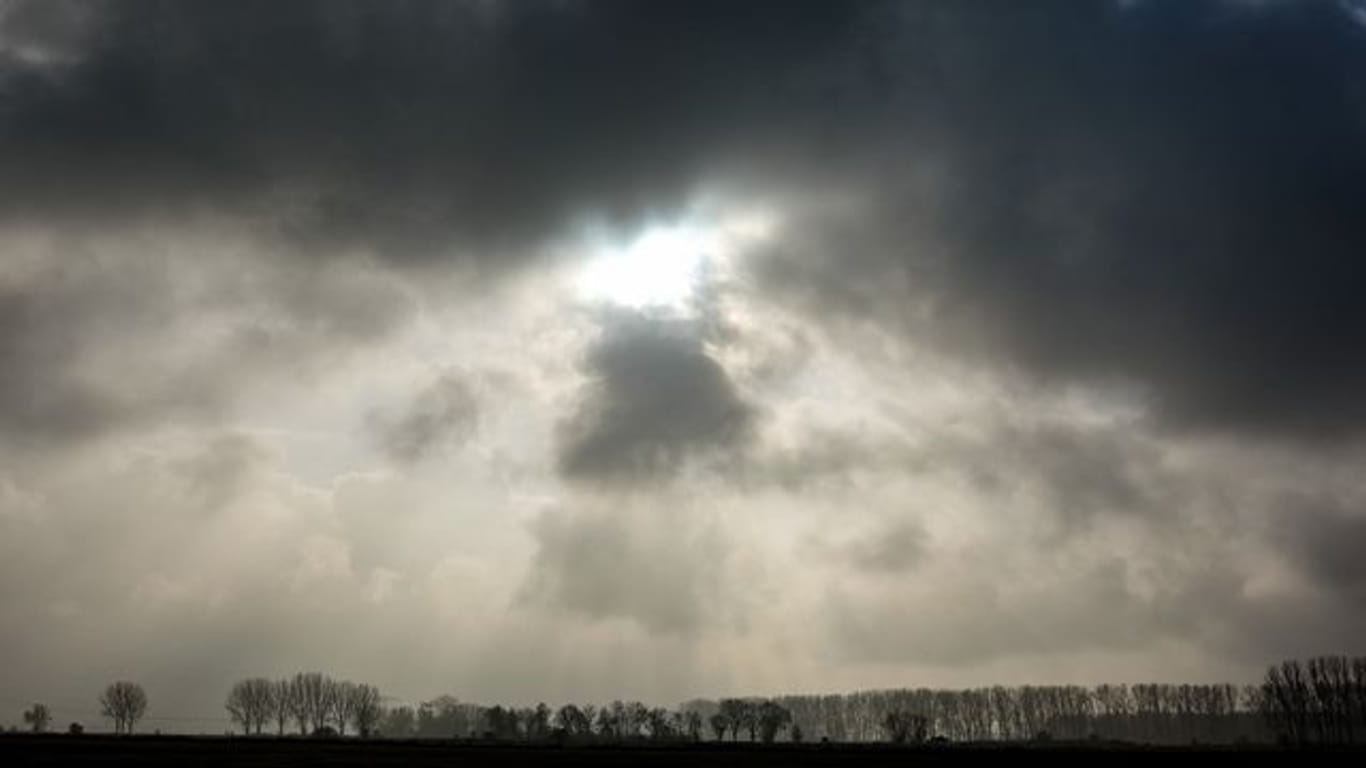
(44, 750)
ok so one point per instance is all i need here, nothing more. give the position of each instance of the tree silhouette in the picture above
(537, 722)
(342, 703)
(282, 704)
(734, 711)
(773, 719)
(313, 697)
(692, 724)
(251, 703)
(364, 708)
(125, 703)
(1322, 700)
(573, 721)
(659, 723)
(633, 718)
(500, 722)
(719, 725)
(749, 718)
(903, 727)
(607, 723)
(398, 723)
(37, 717)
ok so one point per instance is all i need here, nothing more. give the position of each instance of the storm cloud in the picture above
(427, 131)
(654, 398)
(1049, 185)
(1162, 197)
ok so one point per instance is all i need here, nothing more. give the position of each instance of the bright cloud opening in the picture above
(657, 269)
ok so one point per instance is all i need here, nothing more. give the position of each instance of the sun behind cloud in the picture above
(659, 268)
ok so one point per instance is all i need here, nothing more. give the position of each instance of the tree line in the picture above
(313, 702)
(1149, 713)
(446, 716)
(1154, 713)
(1318, 701)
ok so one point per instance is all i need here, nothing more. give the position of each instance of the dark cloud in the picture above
(1324, 536)
(415, 128)
(654, 399)
(1164, 197)
(1079, 472)
(445, 412)
(50, 322)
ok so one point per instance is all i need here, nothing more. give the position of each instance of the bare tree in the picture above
(341, 703)
(719, 723)
(573, 721)
(363, 708)
(282, 704)
(735, 713)
(398, 722)
(749, 718)
(537, 722)
(607, 722)
(38, 717)
(314, 696)
(773, 719)
(251, 703)
(125, 703)
(904, 727)
(658, 723)
(692, 724)
(633, 718)
(501, 722)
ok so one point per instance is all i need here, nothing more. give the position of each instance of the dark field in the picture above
(27, 750)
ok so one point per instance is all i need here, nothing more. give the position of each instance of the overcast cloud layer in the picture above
(1022, 342)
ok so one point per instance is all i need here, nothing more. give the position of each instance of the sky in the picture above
(578, 350)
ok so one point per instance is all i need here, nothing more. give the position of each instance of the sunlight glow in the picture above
(657, 269)
(664, 266)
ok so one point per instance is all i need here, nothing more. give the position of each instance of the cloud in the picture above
(1047, 186)
(104, 333)
(894, 548)
(654, 399)
(227, 467)
(426, 131)
(1063, 197)
(1323, 537)
(55, 322)
(609, 560)
(445, 412)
